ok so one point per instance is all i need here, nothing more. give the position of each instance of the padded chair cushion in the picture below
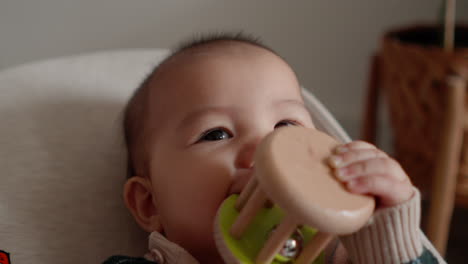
(63, 160)
(62, 157)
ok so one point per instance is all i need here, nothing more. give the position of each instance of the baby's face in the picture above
(211, 110)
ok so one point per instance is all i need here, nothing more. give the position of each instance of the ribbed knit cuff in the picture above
(391, 236)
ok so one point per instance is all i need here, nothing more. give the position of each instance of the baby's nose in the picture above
(245, 157)
(244, 164)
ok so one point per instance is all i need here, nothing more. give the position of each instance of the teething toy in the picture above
(292, 206)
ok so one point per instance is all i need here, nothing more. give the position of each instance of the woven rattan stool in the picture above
(291, 172)
(425, 88)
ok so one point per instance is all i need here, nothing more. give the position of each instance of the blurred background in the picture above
(329, 43)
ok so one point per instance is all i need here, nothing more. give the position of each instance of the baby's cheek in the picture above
(191, 192)
(191, 202)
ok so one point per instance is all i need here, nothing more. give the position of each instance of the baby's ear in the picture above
(139, 200)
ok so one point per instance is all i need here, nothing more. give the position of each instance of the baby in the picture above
(191, 131)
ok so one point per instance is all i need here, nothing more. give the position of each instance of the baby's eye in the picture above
(215, 134)
(283, 123)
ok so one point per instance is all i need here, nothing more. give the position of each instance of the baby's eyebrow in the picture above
(292, 102)
(298, 105)
(215, 110)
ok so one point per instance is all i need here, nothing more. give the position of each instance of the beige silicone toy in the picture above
(291, 172)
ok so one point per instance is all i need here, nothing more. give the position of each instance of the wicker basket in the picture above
(412, 73)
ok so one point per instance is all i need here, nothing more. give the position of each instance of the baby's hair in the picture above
(135, 113)
(204, 39)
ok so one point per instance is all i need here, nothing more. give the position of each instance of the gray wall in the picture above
(328, 42)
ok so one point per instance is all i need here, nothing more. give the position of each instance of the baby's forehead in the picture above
(184, 70)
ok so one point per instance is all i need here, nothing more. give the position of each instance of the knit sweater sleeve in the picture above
(392, 235)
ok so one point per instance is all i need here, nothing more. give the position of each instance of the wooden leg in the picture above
(369, 129)
(314, 247)
(256, 202)
(276, 241)
(445, 175)
(246, 193)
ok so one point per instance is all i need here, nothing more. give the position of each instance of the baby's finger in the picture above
(378, 185)
(355, 155)
(382, 165)
(358, 144)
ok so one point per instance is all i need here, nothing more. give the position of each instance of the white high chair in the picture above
(62, 156)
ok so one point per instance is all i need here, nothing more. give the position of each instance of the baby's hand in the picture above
(364, 169)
